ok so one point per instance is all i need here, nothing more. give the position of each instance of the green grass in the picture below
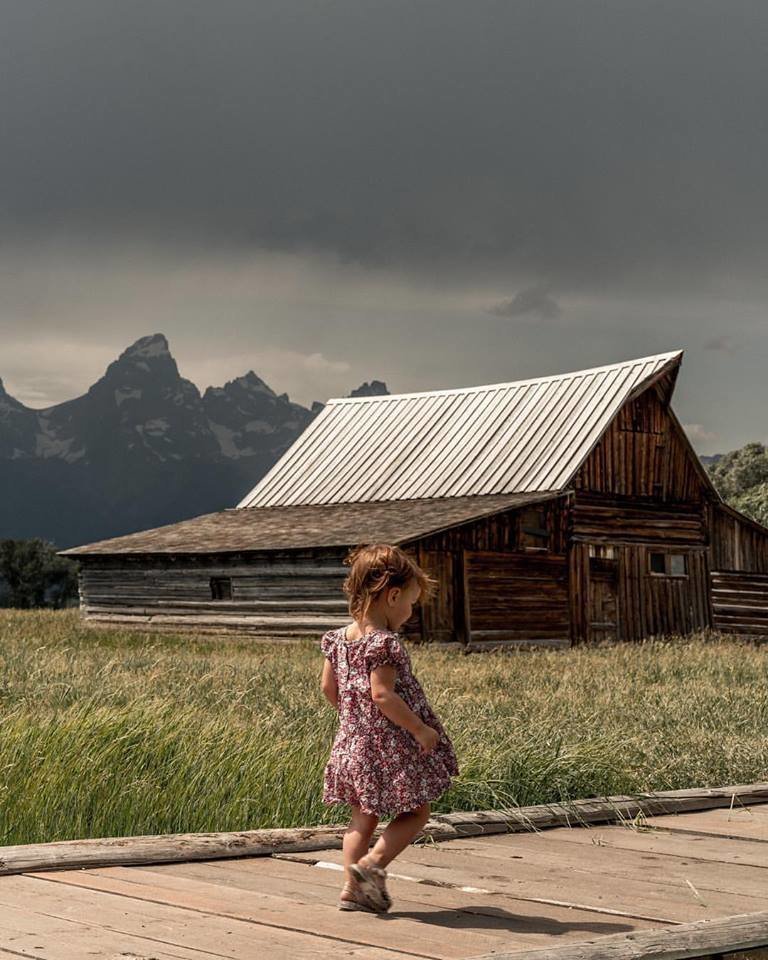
(109, 733)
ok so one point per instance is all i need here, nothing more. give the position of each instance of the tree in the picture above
(741, 477)
(34, 576)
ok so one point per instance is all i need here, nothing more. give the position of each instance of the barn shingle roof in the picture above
(312, 525)
(515, 437)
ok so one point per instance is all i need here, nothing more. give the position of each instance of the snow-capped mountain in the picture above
(141, 448)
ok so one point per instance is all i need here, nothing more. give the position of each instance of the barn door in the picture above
(603, 612)
(438, 615)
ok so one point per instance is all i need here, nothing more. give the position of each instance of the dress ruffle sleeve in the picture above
(383, 647)
(327, 643)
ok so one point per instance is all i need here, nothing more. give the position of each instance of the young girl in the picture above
(391, 753)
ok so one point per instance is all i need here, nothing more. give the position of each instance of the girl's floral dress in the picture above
(375, 764)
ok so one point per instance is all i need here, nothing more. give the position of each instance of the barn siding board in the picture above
(738, 544)
(642, 447)
(517, 596)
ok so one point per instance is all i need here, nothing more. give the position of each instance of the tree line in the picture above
(741, 477)
(31, 575)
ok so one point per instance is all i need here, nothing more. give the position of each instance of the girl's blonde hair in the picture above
(374, 567)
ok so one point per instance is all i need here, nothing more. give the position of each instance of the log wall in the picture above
(280, 594)
(740, 602)
(516, 597)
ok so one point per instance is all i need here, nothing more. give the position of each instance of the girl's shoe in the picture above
(352, 898)
(373, 885)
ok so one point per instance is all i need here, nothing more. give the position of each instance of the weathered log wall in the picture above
(274, 594)
(740, 602)
(516, 597)
(613, 519)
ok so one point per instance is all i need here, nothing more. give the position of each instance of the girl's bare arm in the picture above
(397, 710)
(329, 686)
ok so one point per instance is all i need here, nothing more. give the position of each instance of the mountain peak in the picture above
(145, 348)
(251, 381)
(376, 388)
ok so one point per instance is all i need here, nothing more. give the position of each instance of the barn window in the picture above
(221, 588)
(533, 529)
(668, 564)
(677, 564)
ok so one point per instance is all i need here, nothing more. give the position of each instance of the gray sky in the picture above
(434, 193)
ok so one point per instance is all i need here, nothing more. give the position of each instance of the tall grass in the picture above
(108, 733)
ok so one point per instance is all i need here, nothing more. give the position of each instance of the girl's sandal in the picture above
(373, 885)
(352, 898)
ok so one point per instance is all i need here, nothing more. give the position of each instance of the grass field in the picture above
(106, 733)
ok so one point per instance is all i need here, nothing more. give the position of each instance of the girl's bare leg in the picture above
(357, 838)
(398, 834)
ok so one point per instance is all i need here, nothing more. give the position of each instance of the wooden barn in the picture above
(560, 510)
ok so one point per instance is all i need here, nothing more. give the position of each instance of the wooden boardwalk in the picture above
(557, 892)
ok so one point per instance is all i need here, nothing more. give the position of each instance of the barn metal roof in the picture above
(529, 435)
(312, 525)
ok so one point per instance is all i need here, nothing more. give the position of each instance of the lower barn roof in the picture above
(308, 525)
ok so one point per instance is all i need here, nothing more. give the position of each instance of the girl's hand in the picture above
(428, 738)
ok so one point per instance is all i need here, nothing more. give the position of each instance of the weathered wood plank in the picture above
(444, 941)
(182, 930)
(546, 848)
(307, 882)
(700, 939)
(736, 823)
(29, 932)
(547, 881)
(712, 848)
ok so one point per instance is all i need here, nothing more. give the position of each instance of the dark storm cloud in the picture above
(591, 144)
(534, 301)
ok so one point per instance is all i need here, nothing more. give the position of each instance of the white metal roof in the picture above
(530, 435)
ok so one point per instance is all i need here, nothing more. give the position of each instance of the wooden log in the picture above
(702, 939)
(166, 848)
(319, 622)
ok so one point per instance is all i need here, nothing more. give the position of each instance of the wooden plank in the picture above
(307, 882)
(546, 848)
(182, 931)
(651, 840)
(702, 939)
(659, 902)
(26, 931)
(413, 933)
(736, 823)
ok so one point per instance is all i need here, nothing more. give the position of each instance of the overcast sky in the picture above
(433, 193)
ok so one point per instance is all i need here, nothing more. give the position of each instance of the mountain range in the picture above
(143, 447)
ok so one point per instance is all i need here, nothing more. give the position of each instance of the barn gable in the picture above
(529, 435)
(645, 453)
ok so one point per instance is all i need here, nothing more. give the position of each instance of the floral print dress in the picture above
(375, 764)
